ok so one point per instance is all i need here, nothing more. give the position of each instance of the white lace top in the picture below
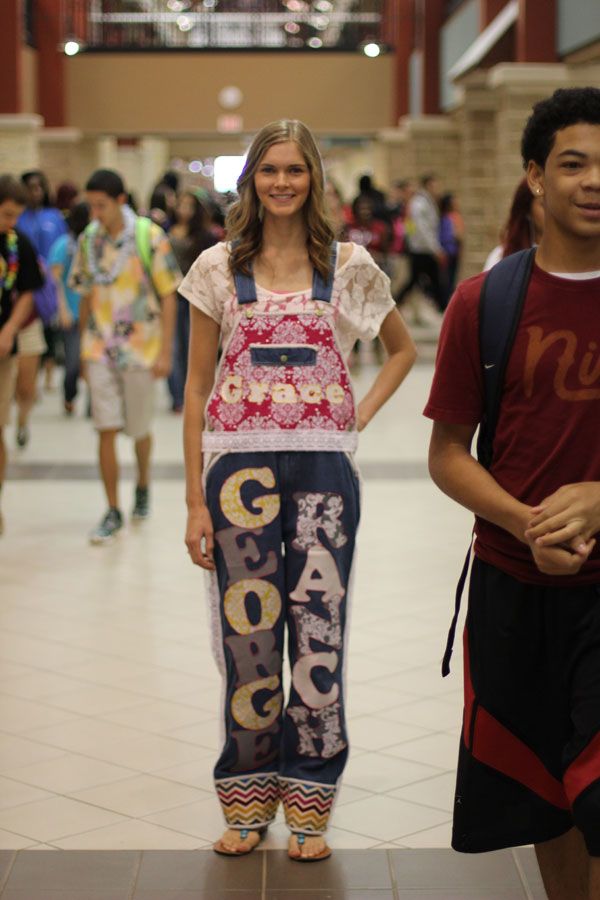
(363, 289)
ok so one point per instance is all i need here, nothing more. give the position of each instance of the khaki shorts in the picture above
(8, 379)
(122, 399)
(30, 340)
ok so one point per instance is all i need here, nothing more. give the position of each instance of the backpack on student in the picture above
(500, 306)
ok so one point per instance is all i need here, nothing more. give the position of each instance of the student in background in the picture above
(60, 260)
(127, 317)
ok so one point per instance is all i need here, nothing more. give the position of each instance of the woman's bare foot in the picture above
(237, 842)
(308, 848)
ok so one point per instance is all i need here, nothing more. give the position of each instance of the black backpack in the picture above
(500, 306)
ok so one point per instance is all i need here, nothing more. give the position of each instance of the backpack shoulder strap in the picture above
(143, 243)
(500, 307)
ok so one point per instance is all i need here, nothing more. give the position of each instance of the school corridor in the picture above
(109, 694)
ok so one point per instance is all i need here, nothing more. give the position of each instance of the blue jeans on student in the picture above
(285, 526)
(70, 337)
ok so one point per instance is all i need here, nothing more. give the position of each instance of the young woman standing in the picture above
(272, 487)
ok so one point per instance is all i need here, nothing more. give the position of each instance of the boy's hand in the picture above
(570, 516)
(162, 366)
(559, 560)
(7, 339)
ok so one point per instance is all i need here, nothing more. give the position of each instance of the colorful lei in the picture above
(12, 261)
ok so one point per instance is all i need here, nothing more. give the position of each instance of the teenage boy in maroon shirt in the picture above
(529, 763)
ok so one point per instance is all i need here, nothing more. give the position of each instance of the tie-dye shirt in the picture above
(124, 325)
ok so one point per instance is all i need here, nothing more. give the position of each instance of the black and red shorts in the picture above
(529, 763)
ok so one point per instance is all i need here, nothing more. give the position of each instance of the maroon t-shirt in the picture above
(548, 431)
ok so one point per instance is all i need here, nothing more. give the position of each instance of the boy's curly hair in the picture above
(567, 106)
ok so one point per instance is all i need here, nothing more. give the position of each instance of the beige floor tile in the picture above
(85, 735)
(198, 773)
(94, 700)
(378, 773)
(51, 819)
(132, 834)
(11, 841)
(158, 716)
(19, 716)
(37, 684)
(439, 750)
(372, 733)
(385, 818)
(149, 753)
(437, 792)
(18, 751)
(13, 793)
(69, 772)
(140, 796)
(440, 836)
(198, 819)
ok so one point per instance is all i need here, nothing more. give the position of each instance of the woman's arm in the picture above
(204, 343)
(401, 354)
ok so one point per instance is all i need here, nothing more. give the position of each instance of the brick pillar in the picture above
(477, 170)
(403, 23)
(19, 143)
(11, 40)
(51, 62)
(433, 19)
(536, 31)
(489, 11)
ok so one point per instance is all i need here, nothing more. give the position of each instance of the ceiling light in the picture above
(72, 48)
(372, 50)
(315, 43)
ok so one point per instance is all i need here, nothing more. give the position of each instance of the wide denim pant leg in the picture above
(285, 526)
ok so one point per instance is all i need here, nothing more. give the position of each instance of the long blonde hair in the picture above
(244, 221)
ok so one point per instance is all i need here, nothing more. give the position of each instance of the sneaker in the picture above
(108, 526)
(141, 507)
(22, 436)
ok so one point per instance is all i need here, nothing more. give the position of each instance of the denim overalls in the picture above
(283, 494)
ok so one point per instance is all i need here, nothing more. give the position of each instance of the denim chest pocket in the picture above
(283, 356)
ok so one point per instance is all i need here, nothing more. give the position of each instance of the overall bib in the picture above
(283, 494)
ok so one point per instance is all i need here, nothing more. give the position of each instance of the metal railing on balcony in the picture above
(342, 25)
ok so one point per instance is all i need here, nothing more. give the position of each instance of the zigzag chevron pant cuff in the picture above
(251, 801)
(306, 806)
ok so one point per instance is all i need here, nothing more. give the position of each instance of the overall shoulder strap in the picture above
(321, 289)
(245, 288)
(500, 307)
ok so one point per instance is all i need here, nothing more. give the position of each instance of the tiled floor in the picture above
(185, 875)
(108, 692)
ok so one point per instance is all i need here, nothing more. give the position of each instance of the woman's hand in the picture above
(200, 539)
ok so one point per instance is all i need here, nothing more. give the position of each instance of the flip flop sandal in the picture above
(220, 849)
(324, 854)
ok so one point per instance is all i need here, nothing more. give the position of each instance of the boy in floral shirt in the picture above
(127, 320)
